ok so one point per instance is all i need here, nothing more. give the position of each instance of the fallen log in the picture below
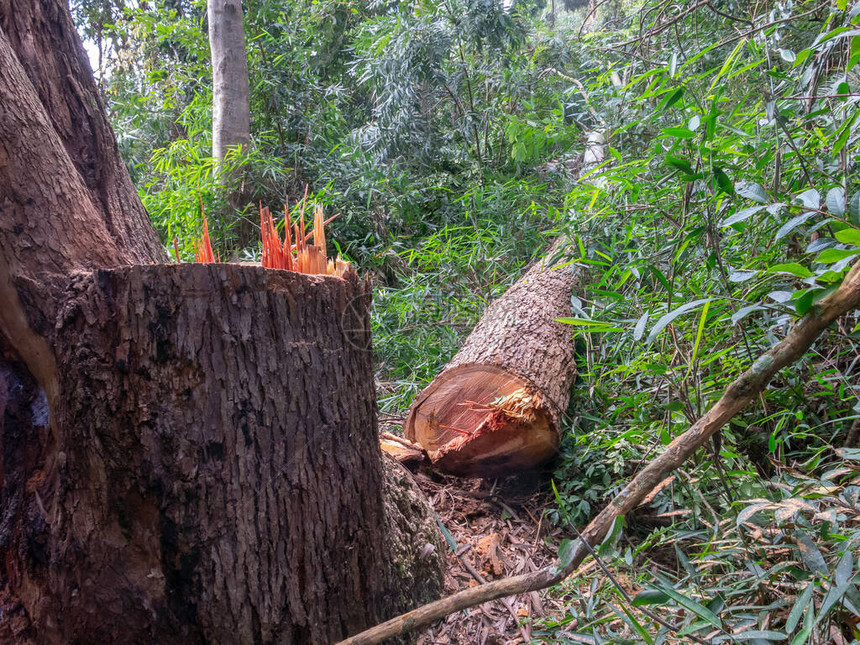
(496, 407)
(736, 396)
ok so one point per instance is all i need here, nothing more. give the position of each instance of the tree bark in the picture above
(43, 38)
(187, 453)
(219, 477)
(231, 112)
(497, 406)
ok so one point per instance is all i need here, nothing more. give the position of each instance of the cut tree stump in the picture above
(496, 407)
(219, 477)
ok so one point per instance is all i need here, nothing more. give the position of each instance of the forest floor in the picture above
(495, 529)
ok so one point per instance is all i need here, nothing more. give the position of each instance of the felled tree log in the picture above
(496, 407)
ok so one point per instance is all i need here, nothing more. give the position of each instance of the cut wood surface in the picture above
(496, 407)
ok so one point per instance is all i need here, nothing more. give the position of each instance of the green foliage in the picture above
(448, 135)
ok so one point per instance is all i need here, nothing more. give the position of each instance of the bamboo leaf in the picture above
(691, 605)
(669, 317)
(798, 608)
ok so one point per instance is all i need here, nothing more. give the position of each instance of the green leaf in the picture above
(793, 268)
(793, 223)
(829, 256)
(752, 634)
(741, 215)
(798, 608)
(809, 198)
(679, 132)
(743, 312)
(634, 624)
(835, 201)
(702, 320)
(851, 454)
(673, 98)
(669, 317)
(607, 546)
(849, 236)
(590, 325)
(639, 330)
(845, 568)
(566, 551)
(691, 605)
(650, 597)
(803, 635)
(752, 191)
(811, 555)
(679, 164)
(723, 182)
(834, 595)
(854, 208)
(803, 302)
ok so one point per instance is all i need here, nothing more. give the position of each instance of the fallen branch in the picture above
(737, 395)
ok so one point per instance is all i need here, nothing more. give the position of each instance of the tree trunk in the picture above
(231, 112)
(497, 406)
(70, 115)
(221, 454)
(187, 453)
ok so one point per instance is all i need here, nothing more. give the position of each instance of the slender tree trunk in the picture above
(231, 112)
(187, 453)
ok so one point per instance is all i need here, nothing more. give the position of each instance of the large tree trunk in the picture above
(222, 454)
(187, 453)
(496, 407)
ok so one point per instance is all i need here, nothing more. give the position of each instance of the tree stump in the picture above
(496, 407)
(219, 478)
(188, 453)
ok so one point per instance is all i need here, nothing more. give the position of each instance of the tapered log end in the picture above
(481, 421)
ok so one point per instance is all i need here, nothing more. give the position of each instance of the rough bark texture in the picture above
(496, 407)
(219, 477)
(66, 201)
(42, 35)
(231, 112)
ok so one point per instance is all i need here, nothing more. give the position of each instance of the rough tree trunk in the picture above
(222, 454)
(496, 407)
(187, 453)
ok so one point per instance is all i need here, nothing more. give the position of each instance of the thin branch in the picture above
(726, 41)
(736, 396)
(728, 16)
